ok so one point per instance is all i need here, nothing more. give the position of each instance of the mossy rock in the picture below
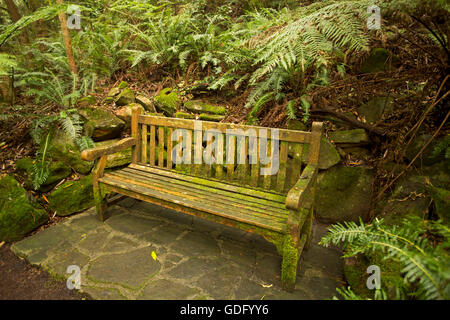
(117, 159)
(441, 198)
(167, 101)
(122, 85)
(58, 171)
(199, 106)
(349, 137)
(328, 156)
(344, 194)
(296, 125)
(63, 148)
(72, 197)
(124, 113)
(114, 92)
(210, 117)
(379, 60)
(146, 103)
(125, 97)
(376, 108)
(87, 101)
(435, 152)
(18, 215)
(184, 115)
(101, 124)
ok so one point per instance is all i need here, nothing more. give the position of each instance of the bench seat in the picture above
(258, 208)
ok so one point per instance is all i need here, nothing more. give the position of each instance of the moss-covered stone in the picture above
(433, 153)
(87, 101)
(101, 124)
(296, 125)
(344, 137)
(376, 108)
(125, 97)
(210, 117)
(199, 106)
(167, 101)
(18, 215)
(58, 172)
(63, 148)
(72, 197)
(344, 194)
(123, 85)
(114, 92)
(379, 60)
(441, 198)
(146, 103)
(328, 156)
(117, 159)
(124, 113)
(184, 115)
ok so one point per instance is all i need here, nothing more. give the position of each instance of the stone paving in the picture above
(144, 251)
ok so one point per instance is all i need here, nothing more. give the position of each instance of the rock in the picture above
(184, 115)
(344, 194)
(376, 108)
(199, 106)
(58, 172)
(123, 85)
(167, 101)
(117, 159)
(125, 97)
(72, 197)
(379, 60)
(114, 92)
(64, 149)
(124, 113)
(296, 125)
(433, 153)
(87, 102)
(358, 152)
(101, 124)
(328, 156)
(210, 117)
(350, 137)
(441, 198)
(146, 103)
(18, 215)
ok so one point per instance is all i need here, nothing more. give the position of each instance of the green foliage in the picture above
(421, 247)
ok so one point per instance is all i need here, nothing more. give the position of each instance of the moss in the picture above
(125, 97)
(116, 159)
(18, 215)
(101, 124)
(199, 106)
(167, 101)
(184, 115)
(350, 136)
(87, 101)
(441, 198)
(328, 156)
(123, 85)
(378, 61)
(210, 117)
(72, 196)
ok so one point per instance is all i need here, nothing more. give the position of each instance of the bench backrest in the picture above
(225, 151)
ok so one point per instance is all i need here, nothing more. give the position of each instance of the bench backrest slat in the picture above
(237, 158)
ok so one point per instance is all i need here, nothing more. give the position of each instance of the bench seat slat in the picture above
(216, 184)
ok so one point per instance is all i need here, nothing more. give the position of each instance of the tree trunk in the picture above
(67, 42)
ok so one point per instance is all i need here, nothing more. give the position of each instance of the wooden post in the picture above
(135, 112)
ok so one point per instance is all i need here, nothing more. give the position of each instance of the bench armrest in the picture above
(300, 190)
(94, 153)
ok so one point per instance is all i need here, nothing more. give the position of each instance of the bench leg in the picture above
(307, 229)
(289, 263)
(100, 203)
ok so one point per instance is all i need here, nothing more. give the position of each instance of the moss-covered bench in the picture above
(218, 171)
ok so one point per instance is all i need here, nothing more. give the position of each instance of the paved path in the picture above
(195, 259)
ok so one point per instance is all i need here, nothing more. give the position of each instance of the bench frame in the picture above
(299, 200)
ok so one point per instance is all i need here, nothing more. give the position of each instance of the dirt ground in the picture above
(21, 281)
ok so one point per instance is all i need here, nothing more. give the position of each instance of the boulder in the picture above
(376, 108)
(124, 113)
(344, 194)
(184, 115)
(87, 102)
(18, 215)
(101, 124)
(122, 85)
(296, 125)
(379, 60)
(350, 137)
(117, 159)
(125, 97)
(72, 197)
(435, 152)
(199, 106)
(58, 172)
(210, 117)
(63, 148)
(167, 101)
(146, 103)
(328, 156)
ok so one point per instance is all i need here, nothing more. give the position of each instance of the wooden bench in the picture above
(277, 206)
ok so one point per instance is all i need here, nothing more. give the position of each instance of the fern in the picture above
(41, 169)
(423, 264)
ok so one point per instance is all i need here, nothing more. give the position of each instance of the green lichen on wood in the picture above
(289, 264)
